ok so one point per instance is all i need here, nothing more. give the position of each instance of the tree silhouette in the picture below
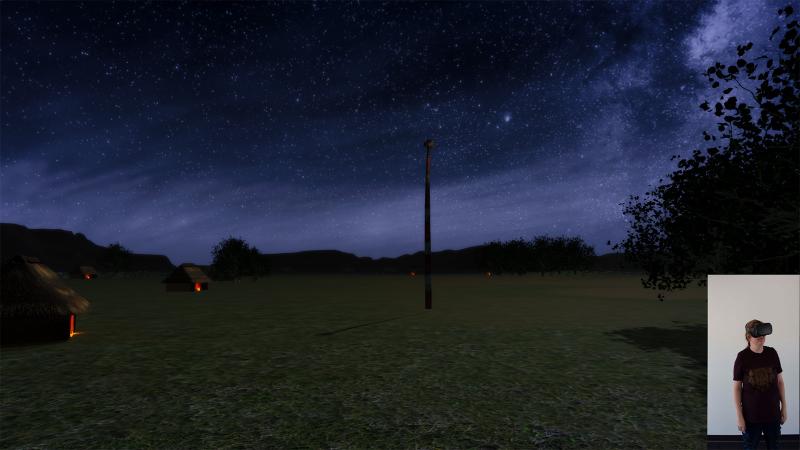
(115, 258)
(542, 254)
(492, 255)
(579, 255)
(735, 208)
(234, 258)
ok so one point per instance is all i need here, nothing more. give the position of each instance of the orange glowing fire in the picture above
(71, 325)
(197, 287)
(87, 276)
(413, 274)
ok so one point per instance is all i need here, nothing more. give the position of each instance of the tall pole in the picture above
(428, 297)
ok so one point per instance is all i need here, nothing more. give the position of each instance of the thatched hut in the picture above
(85, 272)
(35, 304)
(187, 277)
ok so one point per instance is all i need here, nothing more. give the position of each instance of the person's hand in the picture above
(740, 424)
(783, 416)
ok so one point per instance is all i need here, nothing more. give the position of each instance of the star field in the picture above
(297, 126)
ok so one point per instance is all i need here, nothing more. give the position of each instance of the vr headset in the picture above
(761, 329)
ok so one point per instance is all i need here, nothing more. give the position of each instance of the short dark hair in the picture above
(748, 326)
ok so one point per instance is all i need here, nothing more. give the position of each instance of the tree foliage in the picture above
(735, 207)
(234, 258)
(115, 258)
(541, 254)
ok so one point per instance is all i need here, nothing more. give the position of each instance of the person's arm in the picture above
(737, 398)
(782, 392)
(738, 384)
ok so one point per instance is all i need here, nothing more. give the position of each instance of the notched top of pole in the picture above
(428, 144)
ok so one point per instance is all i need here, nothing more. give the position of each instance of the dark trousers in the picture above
(752, 434)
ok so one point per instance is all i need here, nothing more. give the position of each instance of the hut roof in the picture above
(87, 270)
(30, 288)
(187, 273)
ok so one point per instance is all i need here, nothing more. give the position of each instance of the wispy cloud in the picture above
(731, 23)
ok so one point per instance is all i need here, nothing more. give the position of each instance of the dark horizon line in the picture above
(280, 253)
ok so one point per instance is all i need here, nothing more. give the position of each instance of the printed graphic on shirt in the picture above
(761, 379)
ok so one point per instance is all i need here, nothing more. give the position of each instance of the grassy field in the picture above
(555, 362)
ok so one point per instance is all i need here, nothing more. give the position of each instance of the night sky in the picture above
(298, 126)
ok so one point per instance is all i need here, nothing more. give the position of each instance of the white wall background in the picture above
(733, 300)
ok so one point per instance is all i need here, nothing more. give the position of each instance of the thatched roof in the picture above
(86, 270)
(29, 288)
(187, 273)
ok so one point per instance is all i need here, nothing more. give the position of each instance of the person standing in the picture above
(759, 392)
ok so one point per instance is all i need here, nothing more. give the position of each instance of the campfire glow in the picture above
(413, 274)
(72, 324)
(197, 287)
(87, 276)
(489, 274)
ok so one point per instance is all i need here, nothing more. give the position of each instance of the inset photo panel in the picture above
(753, 361)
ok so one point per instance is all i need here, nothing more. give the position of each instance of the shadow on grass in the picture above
(9, 344)
(328, 333)
(690, 341)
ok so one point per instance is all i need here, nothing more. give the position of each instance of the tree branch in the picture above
(748, 90)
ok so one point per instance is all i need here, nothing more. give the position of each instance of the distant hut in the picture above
(35, 304)
(85, 272)
(187, 277)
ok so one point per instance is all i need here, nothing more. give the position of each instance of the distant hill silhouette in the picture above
(64, 250)
(467, 260)
(333, 261)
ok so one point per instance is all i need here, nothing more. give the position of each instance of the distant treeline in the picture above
(542, 254)
(234, 258)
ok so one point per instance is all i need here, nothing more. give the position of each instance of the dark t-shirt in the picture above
(759, 374)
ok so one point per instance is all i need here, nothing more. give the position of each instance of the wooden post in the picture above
(428, 295)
